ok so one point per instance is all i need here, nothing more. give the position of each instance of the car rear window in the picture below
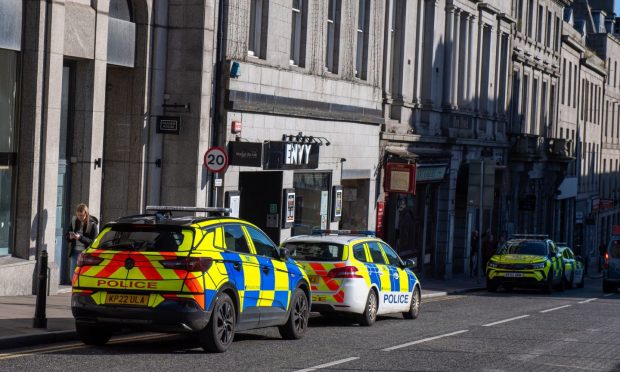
(145, 238)
(315, 251)
(525, 247)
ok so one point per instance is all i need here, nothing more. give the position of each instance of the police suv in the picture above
(208, 275)
(356, 273)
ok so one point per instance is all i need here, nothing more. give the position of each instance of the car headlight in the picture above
(492, 264)
(539, 265)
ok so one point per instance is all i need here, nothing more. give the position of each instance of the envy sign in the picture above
(297, 153)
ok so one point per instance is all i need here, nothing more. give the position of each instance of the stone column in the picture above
(419, 36)
(454, 84)
(449, 56)
(387, 51)
(464, 80)
(473, 62)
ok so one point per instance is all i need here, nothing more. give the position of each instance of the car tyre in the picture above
(92, 334)
(218, 335)
(416, 302)
(369, 316)
(297, 322)
(492, 285)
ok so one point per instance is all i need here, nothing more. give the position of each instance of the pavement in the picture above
(17, 312)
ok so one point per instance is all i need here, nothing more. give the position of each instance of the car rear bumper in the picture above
(350, 297)
(169, 316)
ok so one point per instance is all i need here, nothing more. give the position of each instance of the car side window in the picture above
(393, 258)
(234, 239)
(375, 253)
(263, 245)
(359, 253)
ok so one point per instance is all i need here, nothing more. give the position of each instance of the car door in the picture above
(569, 265)
(380, 267)
(274, 286)
(401, 283)
(243, 270)
(556, 262)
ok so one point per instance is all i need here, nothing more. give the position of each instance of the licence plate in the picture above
(513, 275)
(314, 279)
(316, 298)
(126, 299)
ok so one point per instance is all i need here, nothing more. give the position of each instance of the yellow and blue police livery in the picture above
(526, 261)
(356, 273)
(573, 267)
(208, 275)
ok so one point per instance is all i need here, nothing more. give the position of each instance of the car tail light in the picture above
(86, 259)
(344, 272)
(606, 264)
(189, 264)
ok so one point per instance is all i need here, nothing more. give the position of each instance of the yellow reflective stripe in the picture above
(281, 275)
(266, 298)
(404, 280)
(251, 272)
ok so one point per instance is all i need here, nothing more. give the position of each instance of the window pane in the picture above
(263, 245)
(8, 92)
(234, 239)
(359, 253)
(393, 258)
(315, 251)
(375, 253)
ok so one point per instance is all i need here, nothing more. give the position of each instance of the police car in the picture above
(573, 267)
(209, 275)
(356, 273)
(526, 260)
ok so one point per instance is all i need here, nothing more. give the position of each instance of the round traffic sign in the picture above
(216, 159)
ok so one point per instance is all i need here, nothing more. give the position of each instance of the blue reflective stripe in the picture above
(394, 282)
(209, 296)
(267, 281)
(234, 276)
(373, 272)
(412, 280)
(280, 299)
(250, 299)
(294, 275)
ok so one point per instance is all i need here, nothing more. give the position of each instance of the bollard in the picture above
(40, 321)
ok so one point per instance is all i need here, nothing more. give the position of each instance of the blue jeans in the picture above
(74, 257)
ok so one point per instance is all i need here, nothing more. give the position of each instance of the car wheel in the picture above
(92, 334)
(218, 335)
(370, 311)
(414, 308)
(297, 322)
(607, 287)
(492, 285)
(581, 283)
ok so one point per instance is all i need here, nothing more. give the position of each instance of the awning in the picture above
(402, 152)
(567, 189)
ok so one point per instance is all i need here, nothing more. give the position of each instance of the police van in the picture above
(356, 273)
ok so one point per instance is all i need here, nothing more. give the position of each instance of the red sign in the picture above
(235, 127)
(380, 213)
(606, 204)
(615, 230)
(400, 177)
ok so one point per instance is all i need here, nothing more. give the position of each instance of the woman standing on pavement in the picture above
(84, 229)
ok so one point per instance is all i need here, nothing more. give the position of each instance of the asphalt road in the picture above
(578, 329)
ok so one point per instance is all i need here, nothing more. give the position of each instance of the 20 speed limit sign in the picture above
(216, 159)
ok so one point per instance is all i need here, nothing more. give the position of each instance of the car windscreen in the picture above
(144, 238)
(315, 251)
(525, 247)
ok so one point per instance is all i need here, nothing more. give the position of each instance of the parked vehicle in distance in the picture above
(611, 266)
(211, 276)
(356, 273)
(573, 267)
(526, 261)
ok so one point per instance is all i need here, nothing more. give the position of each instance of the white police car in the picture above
(356, 273)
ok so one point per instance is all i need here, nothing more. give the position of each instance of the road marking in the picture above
(555, 308)
(424, 340)
(570, 366)
(79, 345)
(588, 300)
(328, 364)
(505, 320)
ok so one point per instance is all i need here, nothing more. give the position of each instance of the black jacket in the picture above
(87, 233)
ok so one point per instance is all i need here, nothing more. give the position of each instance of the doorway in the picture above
(63, 209)
(261, 201)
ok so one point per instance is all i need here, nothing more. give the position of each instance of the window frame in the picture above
(362, 34)
(258, 29)
(368, 245)
(248, 229)
(332, 55)
(299, 27)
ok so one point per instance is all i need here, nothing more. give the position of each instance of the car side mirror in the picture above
(284, 254)
(411, 263)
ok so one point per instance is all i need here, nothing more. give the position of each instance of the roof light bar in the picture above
(343, 232)
(165, 208)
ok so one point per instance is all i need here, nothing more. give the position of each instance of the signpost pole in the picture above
(480, 206)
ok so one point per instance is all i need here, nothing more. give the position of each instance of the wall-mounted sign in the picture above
(246, 154)
(400, 177)
(168, 124)
(233, 201)
(430, 172)
(291, 155)
(288, 208)
(336, 203)
(216, 159)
